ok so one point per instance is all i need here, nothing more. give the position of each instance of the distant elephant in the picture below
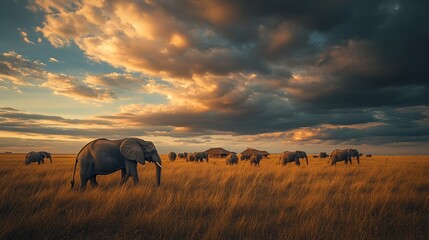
(38, 157)
(103, 156)
(172, 156)
(315, 156)
(180, 155)
(245, 156)
(343, 155)
(232, 159)
(323, 155)
(190, 157)
(369, 155)
(255, 160)
(185, 154)
(201, 156)
(287, 156)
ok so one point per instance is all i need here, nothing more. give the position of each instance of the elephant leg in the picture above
(94, 182)
(131, 169)
(83, 183)
(124, 176)
(38, 162)
(43, 161)
(297, 163)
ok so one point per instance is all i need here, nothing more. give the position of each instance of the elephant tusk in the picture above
(157, 163)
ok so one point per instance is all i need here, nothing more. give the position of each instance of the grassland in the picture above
(385, 197)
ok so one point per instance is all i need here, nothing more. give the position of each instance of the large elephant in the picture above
(323, 155)
(255, 160)
(232, 159)
(201, 156)
(287, 156)
(104, 156)
(345, 155)
(172, 156)
(38, 157)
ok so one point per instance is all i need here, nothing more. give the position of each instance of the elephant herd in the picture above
(193, 157)
(285, 157)
(103, 156)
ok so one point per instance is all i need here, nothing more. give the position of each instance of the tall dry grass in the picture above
(385, 197)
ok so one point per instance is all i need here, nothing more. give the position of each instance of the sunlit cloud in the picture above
(115, 80)
(20, 71)
(51, 59)
(70, 86)
(24, 36)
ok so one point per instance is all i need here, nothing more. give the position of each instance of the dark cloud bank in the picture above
(367, 59)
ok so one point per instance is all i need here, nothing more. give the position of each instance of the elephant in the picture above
(245, 156)
(315, 156)
(287, 156)
(180, 155)
(172, 156)
(343, 155)
(185, 154)
(255, 160)
(38, 157)
(369, 155)
(323, 155)
(200, 156)
(232, 159)
(190, 157)
(103, 156)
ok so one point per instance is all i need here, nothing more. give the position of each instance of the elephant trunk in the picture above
(50, 158)
(158, 168)
(306, 159)
(357, 158)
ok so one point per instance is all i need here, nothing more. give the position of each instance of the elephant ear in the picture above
(148, 146)
(131, 148)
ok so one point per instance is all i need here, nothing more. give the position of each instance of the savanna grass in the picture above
(385, 197)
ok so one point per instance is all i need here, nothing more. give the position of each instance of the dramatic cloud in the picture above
(16, 70)
(117, 81)
(337, 72)
(70, 86)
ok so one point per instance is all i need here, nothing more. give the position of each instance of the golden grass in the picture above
(385, 197)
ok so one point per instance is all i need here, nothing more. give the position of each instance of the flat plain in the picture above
(384, 197)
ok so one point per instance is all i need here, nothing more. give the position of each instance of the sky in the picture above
(188, 75)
